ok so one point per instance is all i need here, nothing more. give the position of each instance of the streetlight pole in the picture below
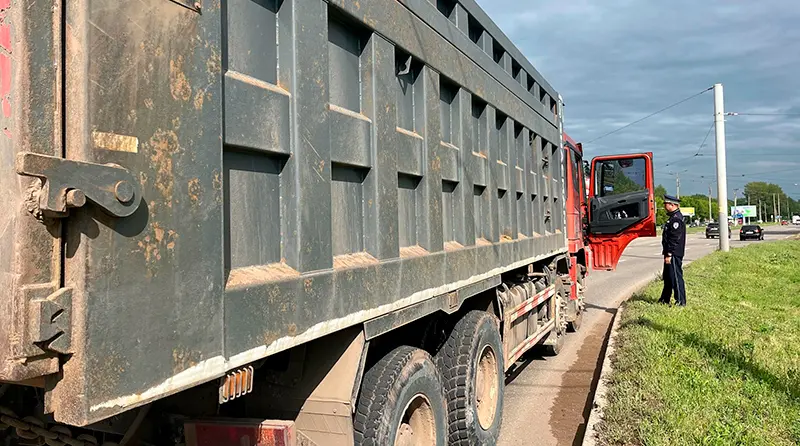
(722, 173)
(747, 219)
(735, 205)
(774, 208)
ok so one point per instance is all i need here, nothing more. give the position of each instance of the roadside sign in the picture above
(744, 211)
(688, 211)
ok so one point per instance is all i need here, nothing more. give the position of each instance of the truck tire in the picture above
(557, 336)
(574, 325)
(471, 363)
(401, 402)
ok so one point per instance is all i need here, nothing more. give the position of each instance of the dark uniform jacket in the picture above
(673, 239)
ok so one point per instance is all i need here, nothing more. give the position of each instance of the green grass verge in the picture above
(725, 370)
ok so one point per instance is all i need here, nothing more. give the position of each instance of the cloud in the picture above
(617, 61)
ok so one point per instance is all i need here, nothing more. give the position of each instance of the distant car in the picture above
(784, 223)
(712, 230)
(754, 232)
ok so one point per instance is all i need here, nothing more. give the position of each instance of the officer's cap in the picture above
(671, 199)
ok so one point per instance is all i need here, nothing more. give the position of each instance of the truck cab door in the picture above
(621, 205)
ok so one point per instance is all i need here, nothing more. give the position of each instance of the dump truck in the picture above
(294, 222)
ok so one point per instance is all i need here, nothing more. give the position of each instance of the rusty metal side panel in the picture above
(143, 90)
(304, 170)
(29, 248)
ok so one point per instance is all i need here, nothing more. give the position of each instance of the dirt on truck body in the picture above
(236, 218)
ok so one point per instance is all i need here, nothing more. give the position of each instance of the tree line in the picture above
(755, 191)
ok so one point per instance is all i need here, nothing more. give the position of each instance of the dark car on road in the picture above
(754, 232)
(712, 230)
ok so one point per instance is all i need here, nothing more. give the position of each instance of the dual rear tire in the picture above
(455, 398)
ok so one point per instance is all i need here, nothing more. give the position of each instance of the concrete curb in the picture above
(600, 402)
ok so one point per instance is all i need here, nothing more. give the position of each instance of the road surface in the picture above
(547, 400)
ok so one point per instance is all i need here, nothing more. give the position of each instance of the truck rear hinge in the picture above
(68, 184)
(49, 320)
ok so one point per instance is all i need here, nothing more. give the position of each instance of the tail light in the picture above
(239, 432)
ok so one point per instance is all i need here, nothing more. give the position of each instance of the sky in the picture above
(616, 61)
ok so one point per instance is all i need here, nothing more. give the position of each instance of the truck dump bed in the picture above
(256, 174)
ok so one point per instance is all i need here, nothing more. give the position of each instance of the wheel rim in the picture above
(417, 427)
(561, 310)
(486, 387)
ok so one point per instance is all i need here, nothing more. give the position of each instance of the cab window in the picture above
(577, 178)
(617, 177)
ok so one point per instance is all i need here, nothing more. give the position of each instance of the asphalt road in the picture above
(547, 400)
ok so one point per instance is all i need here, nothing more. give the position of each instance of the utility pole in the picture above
(722, 172)
(779, 208)
(748, 204)
(774, 208)
(735, 206)
(709, 203)
(678, 185)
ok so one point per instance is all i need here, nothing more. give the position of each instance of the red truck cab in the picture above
(618, 207)
(605, 212)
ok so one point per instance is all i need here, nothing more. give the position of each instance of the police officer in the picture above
(673, 242)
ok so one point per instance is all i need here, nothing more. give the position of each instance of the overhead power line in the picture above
(699, 149)
(651, 115)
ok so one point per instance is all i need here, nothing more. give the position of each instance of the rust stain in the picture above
(183, 359)
(254, 275)
(269, 337)
(164, 145)
(153, 244)
(216, 184)
(159, 233)
(214, 64)
(172, 236)
(178, 83)
(195, 190)
(413, 251)
(199, 97)
(350, 261)
(292, 329)
(482, 242)
(452, 246)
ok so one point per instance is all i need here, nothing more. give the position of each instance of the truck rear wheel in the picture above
(401, 402)
(575, 324)
(555, 341)
(471, 363)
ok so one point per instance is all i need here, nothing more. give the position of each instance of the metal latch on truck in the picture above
(68, 184)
